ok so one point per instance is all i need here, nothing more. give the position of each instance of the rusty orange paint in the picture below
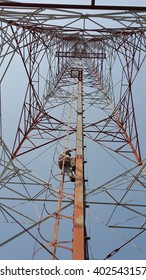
(78, 230)
(78, 234)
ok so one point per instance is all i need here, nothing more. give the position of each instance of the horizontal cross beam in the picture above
(72, 6)
(81, 55)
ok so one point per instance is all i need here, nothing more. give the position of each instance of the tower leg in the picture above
(78, 231)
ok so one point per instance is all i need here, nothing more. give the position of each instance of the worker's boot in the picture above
(73, 168)
(72, 178)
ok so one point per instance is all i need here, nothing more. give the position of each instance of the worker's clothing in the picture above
(67, 164)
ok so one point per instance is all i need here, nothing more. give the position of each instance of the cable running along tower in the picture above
(72, 78)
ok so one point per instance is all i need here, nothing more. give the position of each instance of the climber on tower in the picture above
(67, 163)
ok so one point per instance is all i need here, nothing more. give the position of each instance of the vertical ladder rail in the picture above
(57, 217)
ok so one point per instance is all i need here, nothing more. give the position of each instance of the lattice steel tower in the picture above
(72, 77)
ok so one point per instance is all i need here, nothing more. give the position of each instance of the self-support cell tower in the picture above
(72, 77)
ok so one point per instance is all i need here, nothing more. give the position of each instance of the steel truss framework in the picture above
(57, 62)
